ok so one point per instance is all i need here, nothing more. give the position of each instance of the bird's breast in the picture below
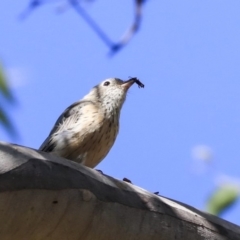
(93, 139)
(101, 141)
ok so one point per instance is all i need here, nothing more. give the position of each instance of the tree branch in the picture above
(76, 5)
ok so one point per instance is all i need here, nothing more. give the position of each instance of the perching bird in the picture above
(86, 130)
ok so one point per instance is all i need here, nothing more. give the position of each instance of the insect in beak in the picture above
(127, 84)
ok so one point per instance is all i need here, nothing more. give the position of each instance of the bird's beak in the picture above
(127, 84)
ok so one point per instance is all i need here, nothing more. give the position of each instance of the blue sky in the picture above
(187, 53)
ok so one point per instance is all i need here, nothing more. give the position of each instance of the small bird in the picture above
(87, 129)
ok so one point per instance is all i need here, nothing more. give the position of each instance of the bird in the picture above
(86, 131)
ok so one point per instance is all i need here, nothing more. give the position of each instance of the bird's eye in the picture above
(106, 83)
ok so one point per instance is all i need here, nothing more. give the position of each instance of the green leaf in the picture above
(222, 198)
(5, 91)
(4, 86)
(6, 122)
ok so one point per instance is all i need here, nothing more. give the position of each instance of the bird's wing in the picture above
(66, 119)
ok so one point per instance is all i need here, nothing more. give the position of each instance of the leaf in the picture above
(5, 90)
(222, 198)
(6, 122)
(4, 86)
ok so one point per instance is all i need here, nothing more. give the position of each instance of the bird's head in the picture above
(111, 93)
